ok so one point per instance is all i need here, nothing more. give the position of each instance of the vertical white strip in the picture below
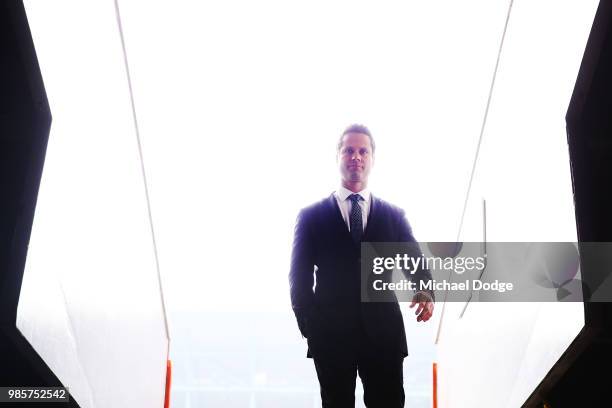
(482, 128)
(142, 167)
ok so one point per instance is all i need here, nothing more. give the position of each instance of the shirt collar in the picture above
(344, 192)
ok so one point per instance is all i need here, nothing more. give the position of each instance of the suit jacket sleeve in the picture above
(421, 274)
(301, 273)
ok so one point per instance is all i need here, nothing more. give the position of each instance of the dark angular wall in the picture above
(580, 379)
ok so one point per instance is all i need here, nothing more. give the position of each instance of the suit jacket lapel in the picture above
(372, 218)
(336, 216)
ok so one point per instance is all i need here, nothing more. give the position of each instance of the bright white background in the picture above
(240, 105)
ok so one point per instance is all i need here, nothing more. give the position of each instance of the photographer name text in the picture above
(444, 285)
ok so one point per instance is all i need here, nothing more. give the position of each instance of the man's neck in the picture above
(355, 187)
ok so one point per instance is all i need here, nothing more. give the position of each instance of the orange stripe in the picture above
(435, 385)
(168, 383)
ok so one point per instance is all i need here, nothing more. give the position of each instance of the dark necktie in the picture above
(355, 218)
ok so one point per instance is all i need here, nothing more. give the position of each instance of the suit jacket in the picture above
(331, 314)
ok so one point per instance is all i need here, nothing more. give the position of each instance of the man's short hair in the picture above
(357, 128)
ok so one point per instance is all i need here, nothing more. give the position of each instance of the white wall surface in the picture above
(90, 303)
(497, 353)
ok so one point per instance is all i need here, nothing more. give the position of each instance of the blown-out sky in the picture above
(240, 105)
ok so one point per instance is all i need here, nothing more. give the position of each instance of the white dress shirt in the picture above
(346, 205)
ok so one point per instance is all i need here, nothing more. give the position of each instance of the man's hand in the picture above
(426, 306)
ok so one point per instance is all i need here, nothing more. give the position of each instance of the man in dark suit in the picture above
(346, 336)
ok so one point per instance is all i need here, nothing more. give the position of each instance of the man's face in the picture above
(355, 157)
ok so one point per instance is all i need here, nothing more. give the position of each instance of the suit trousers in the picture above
(381, 375)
